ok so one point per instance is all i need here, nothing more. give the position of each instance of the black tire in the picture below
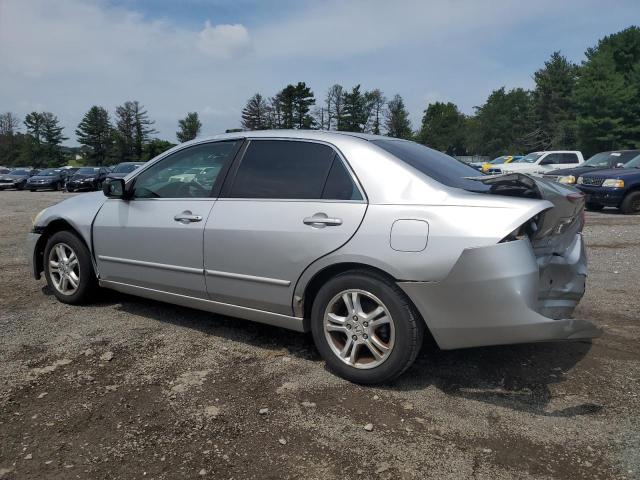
(631, 203)
(69, 189)
(32, 189)
(409, 326)
(594, 207)
(56, 187)
(87, 279)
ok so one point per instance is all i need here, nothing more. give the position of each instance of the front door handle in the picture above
(187, 217)
(320, 220)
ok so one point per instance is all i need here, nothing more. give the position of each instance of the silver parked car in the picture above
(364, 240)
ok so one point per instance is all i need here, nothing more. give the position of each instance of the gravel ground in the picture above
(129, 388)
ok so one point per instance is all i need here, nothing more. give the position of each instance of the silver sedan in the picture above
(366, 241)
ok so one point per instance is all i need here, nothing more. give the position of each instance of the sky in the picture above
(210, 56)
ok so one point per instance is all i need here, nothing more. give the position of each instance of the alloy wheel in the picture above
(359, 329)
(64, 269)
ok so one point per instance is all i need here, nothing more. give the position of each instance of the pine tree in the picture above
(553, 102)
(397, 122)
(44, 136)
(302, 103)
(255, 113)
(189, 127)
(355, 114)
(375, 106)
(335, 107)
(133, 130)
(607, 94)
(96, 132)
(443, 128)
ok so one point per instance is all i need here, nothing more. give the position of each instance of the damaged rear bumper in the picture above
(503, 294)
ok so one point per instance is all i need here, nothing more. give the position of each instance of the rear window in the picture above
(88, 170)
(442, 168)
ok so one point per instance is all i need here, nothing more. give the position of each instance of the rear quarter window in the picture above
(442, 168)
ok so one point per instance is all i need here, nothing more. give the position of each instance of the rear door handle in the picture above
(187, 217)
(321, 220)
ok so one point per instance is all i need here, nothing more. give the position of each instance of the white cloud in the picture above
(223, 41)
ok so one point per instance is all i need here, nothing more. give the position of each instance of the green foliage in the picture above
(503, 124)
(397, 122)
(290, 108)
(553, 103)
(155, 147)
(41, 146)
(255, 114)
(96, 133)
(355, 112)
(443, 128)
(189, 127)
(133, 131)
(607, 94)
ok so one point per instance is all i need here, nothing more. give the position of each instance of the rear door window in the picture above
(283, 169)
(569, 158)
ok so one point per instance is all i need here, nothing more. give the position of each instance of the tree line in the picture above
(103, 141)
(593, 106)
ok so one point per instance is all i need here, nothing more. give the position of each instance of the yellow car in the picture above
(499, 161)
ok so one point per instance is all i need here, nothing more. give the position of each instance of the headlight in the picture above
(613, 183)
(567, 179)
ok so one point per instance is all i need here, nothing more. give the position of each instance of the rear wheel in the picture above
(365, 327)
(594, 207)
(631, 203)
(68, 268)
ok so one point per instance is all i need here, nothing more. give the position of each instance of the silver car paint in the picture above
(254, 277)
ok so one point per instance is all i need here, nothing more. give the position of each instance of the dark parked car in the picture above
(616, 187)
(87, 178)
(16, 178)
(50, 178)
(123, 169)
(600, 161)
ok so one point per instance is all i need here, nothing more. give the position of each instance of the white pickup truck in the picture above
(539, 163)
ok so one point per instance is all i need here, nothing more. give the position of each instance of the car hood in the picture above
(518, 167)
(13, 177)
(575, 171)
(117, 174)
(82, 176)
(614, 173)
(45, 177)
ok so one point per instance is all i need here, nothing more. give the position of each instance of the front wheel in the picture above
(631, 203)
(365, 327)
(68, 268)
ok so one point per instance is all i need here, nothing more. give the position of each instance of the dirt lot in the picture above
(130, 388)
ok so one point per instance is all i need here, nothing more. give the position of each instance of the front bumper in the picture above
(503, 294)
(609, 197)
(30, 252)
(38, 185)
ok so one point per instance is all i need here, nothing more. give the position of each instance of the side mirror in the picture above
(113, 188)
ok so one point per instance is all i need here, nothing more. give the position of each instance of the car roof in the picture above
(302, 134)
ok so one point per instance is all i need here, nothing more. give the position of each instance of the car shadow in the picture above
(517, 377)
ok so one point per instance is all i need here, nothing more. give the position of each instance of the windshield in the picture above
(124, 168)
(88, 170)
(531, 158)
(606, 159)
(49, 172)
(442, 168)
(635, 163)
(19, 171)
